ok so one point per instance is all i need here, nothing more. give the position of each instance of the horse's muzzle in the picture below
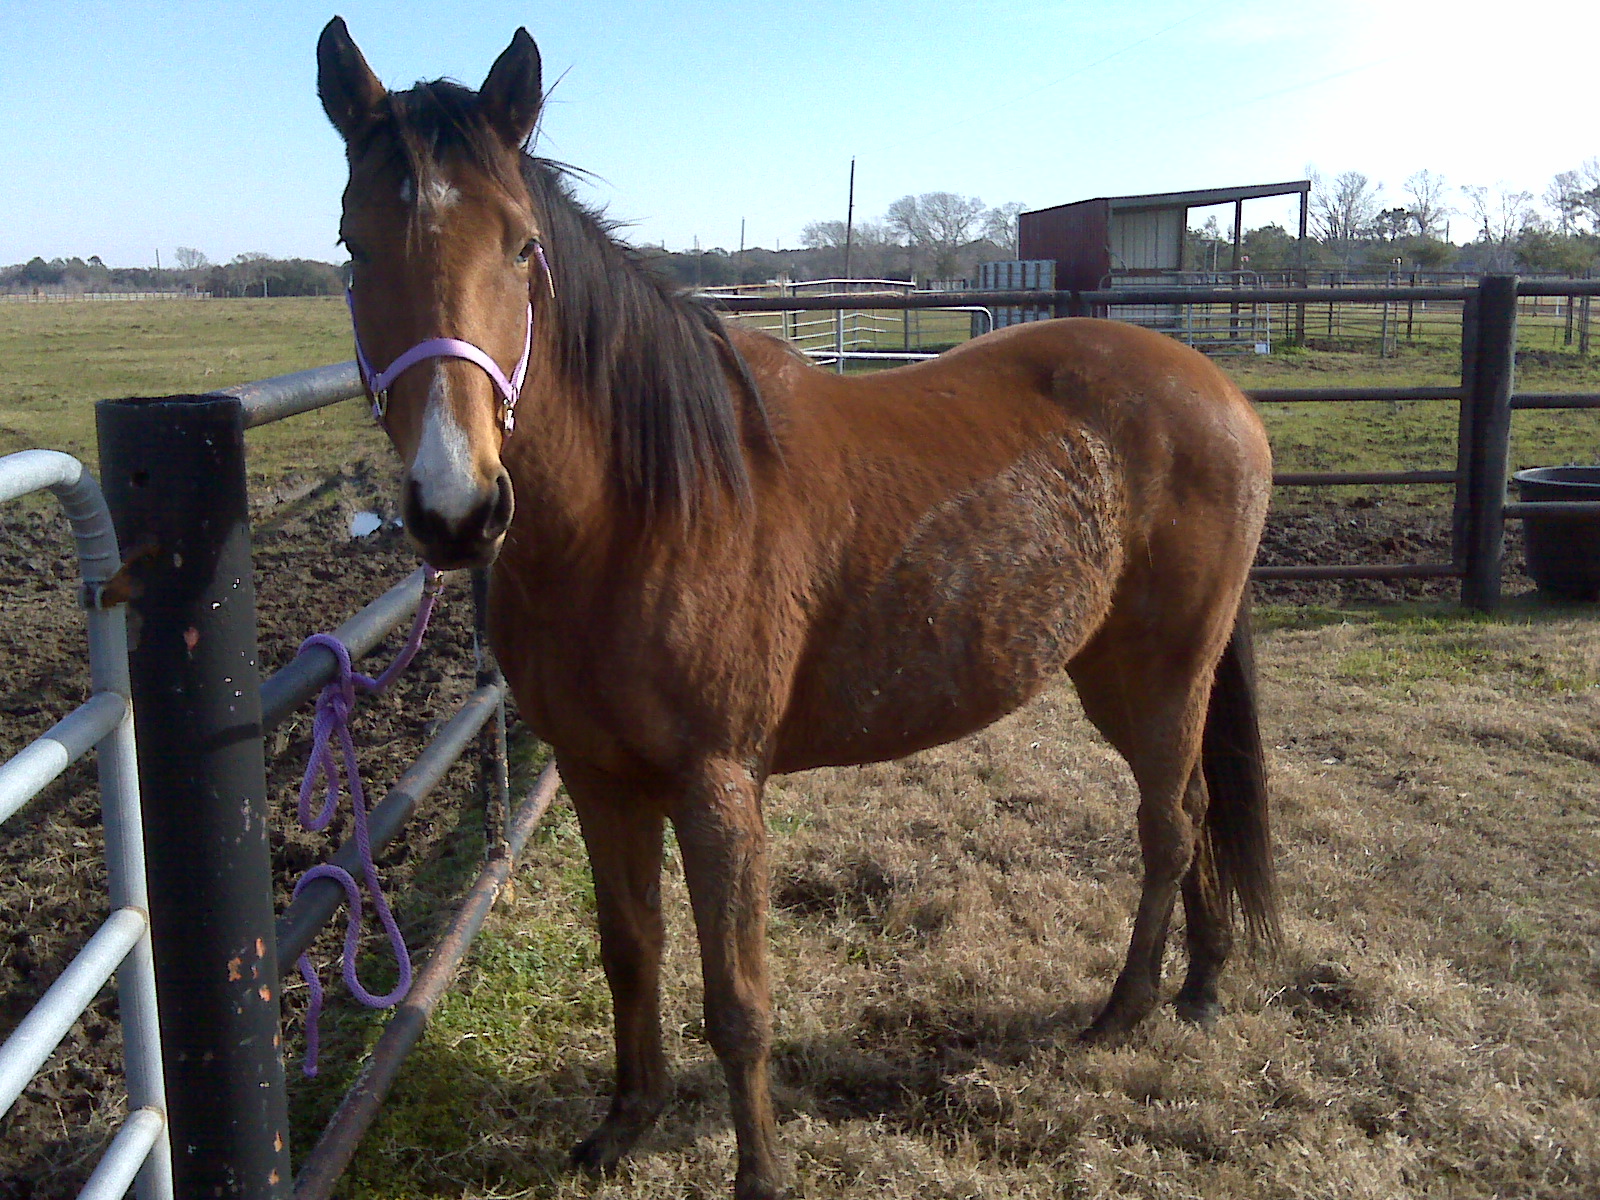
(469, 541)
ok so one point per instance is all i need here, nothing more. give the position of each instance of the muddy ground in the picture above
(310, 576)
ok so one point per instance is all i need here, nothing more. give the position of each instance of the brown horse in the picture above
(713, 562)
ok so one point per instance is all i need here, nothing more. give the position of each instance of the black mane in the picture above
(651, 360)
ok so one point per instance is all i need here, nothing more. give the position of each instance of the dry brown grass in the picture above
(944, 926)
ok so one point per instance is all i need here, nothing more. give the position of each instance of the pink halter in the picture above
(378, 382)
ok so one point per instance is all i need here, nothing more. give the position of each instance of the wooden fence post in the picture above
(1489, 396)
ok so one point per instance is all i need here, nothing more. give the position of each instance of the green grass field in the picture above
(57, 359)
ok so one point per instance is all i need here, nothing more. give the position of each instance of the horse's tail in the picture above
(1237, 829)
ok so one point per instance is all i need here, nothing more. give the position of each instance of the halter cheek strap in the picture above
(378, 382)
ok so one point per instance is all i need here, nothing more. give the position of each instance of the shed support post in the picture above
(1489, 395)
(174, 478)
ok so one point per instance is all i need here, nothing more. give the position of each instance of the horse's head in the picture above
(447, 274)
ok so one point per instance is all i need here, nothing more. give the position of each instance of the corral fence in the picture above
(122, 943)
(1486, 315)
(868, 332)
(1382, 325)
(173, 470)
(1256, 316)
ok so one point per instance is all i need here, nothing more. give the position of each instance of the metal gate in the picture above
(121, 945)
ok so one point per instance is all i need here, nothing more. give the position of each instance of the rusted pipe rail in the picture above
(1358, 571)
(320, 1172)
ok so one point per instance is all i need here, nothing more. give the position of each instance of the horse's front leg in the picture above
(622, 831)
(724, 845)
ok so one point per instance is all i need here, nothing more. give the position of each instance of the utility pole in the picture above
(740, 280)
(850, 218)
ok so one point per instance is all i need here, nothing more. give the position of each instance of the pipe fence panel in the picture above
(202, 713)
(140, 1153)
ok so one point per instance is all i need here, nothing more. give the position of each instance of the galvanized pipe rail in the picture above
(140, 1154)
(175, 469)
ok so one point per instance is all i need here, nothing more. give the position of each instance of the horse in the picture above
(713, 562)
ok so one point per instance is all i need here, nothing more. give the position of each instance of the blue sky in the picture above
(131, 126)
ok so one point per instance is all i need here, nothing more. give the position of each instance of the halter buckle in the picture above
(380, 404)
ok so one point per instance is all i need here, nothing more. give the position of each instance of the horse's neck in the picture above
(558, 466)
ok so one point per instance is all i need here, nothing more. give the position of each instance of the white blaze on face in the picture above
(438, 197)
(442, 468)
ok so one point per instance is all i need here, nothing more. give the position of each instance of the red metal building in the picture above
(1096, 242)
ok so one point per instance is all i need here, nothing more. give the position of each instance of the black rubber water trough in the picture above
(1563, 548)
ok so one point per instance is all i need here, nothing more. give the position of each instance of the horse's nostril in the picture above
(498, 519)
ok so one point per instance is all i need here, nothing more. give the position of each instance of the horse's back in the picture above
(994, 497)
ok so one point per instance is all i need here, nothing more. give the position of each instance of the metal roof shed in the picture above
(1094, 240)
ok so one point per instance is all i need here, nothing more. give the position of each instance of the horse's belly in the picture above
(987, 601)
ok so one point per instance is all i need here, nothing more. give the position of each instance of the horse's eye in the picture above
(527, 252)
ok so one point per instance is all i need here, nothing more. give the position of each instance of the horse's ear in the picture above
(510, 96)
(351, 93)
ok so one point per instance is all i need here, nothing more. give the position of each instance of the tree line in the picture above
(933, 236)
(1354, 225)
(253, 274)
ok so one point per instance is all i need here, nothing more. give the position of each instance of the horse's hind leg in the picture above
(622, 832)
(1151, 706)
(724, 846)
(1208, 920)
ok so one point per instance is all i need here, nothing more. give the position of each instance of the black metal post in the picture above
(1461, 516)
(1490, 398)
(173, 474)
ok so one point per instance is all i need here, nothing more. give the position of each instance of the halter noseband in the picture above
(378, 382)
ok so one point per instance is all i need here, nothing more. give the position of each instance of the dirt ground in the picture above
(1383, 1055)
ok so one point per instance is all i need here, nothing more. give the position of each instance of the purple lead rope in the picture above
(334, 707)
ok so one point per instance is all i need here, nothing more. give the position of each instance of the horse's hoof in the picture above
(615, 1136)
(1202, 1013)
(1114, 1023)
(597, 1153)
(753, 1186)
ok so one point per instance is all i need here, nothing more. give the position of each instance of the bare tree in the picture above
(1342, 212)
(1429, 206)
(1575, 196)
(251, 268)
(822, 235)
(938, 224)
(189, 259)
(1000, 225)
(1501, 215)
